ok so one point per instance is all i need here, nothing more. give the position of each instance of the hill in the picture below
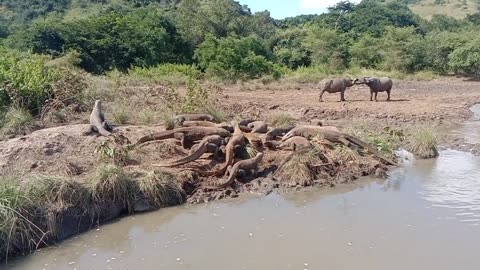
(458, 9)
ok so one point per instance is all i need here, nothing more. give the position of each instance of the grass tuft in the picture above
(120, 114)
(112, 184)
(160, 190)
(423, 142)
(17, 120)
(298, 170)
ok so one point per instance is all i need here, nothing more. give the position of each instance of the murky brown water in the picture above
(425, 216)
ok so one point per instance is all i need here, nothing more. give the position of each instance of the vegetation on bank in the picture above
(32, 210)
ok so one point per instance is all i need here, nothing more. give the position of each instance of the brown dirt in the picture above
(444, 101)
(441, 102)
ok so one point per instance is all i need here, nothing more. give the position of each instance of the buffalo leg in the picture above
(388, 93)
(371, 95)
(376, 93)
(321, 95)
(342, 96)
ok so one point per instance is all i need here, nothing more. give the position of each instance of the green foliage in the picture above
(365, 52)
(17, 121)
(233, 59)
(466, 59)
(327, 47)
(25, 80)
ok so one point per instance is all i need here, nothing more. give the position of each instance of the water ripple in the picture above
(455, 184)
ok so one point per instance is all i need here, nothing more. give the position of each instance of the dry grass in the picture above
(121, 114)
(17, 121)
(423, 142)
(454, 8)
(280, 119)
(297, 171)
(111, 184)
(160, 189)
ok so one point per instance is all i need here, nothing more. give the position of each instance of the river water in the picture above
(426, 215)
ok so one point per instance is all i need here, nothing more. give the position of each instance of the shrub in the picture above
(160, 190)
(423, 142)
(25, 80)
(235, 58)
(17, 121)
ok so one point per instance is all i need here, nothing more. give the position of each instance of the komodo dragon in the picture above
(273, 133)
(258, 127)
(208, 144)
(97, 121)
(307, 131)
(293, 143)
(224, 125)
(186, 134)
(237, 140)
(196, 117)
(332, 134)
(242, 165)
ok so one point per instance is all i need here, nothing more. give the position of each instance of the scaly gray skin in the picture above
(242, 165)
(277, 132)
(307, 132)
(235, 141)
(97, 121)
(295, 143)
(196, 117)
(332, 134)
(245, 122)
(334, 86)
(376, 85)
(224, 125)
(186, 134)
(208, 144)
(258, 127)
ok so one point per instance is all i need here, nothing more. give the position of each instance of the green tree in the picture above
(289, 49)
(439, 46)
(235, 58)
(466, 59)
(403, 50)
(327, 47)
(365, 52)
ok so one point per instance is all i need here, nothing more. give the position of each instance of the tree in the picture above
(289, 48)
(327, 47)
(365, 52)
(403, 50)
(466, 59)
(234, 58)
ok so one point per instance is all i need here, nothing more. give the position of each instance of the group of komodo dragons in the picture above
(201, 135)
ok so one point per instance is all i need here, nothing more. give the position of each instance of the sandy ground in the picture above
(443, 101)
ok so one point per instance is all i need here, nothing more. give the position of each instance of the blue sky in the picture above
(280, 9)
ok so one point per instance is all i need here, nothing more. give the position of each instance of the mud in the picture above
(426, 215)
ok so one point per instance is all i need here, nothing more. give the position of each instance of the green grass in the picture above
(314, 74)
(17, 121)
(423, 142)
(160, 189)
(111, 184)
(120, 114)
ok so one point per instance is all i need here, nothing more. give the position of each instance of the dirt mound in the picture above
(47, 151)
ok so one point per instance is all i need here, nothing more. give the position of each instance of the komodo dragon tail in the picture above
(202, 147)
(371, 149)
(155, 137)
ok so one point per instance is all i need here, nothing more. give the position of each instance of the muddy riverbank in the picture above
(65, 152)
(426, 215)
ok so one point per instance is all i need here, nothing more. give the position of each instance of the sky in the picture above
(280, 9)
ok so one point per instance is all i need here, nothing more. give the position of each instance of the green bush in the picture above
(235, 58)
(466, 59)
(25, 80)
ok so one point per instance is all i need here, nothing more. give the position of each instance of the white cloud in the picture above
(319, 4)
